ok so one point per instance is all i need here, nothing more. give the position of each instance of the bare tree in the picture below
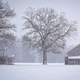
(7, 36)
(47, 30)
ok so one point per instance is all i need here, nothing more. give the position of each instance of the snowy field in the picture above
(39, 72)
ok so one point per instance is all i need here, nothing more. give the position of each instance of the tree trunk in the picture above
(44, 58)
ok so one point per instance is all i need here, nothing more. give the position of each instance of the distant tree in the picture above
(47, 30)
(26, 42)
(7, 36)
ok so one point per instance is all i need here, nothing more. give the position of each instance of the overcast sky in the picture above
(70, 7)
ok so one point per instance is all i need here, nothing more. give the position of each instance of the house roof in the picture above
(75, 51)
(74, 57)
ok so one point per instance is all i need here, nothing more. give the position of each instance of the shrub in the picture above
(6, 60)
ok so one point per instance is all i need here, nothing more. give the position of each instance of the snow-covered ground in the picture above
(39, 72)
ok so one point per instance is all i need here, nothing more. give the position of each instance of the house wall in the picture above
(69, 61)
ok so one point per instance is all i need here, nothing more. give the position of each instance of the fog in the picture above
(69, 7)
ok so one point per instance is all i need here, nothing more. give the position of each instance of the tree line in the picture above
(45, 29)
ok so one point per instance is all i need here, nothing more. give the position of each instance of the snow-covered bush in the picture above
(6, 60)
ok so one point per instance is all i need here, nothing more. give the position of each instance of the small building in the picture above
(73, 60)
(73, 56)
